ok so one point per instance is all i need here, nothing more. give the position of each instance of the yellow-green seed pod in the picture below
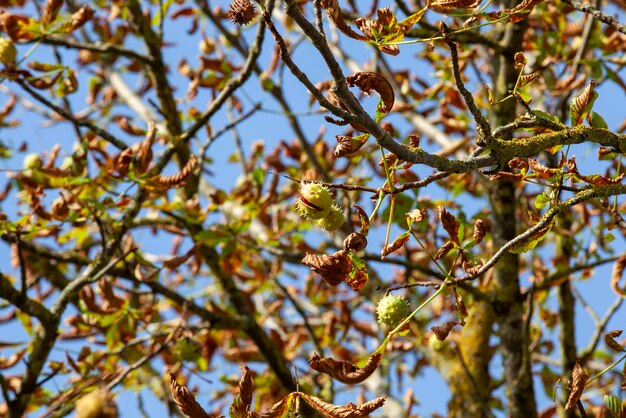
(333, 220)
(392, 310)
(315, 201)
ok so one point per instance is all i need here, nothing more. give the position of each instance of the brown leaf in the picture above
(78, 19)
(356, 241)
(349, 410)
(347, 145)
(519, 12)
(364, 218)
(609, 338)
(186, 401)
(15, 26)
(331, 7)
(518, 163)
(442, 331)
(395, 245)
(127, 126)
(505, 175)
(178, 179)
(526, 79)
(519, 60)
(579, 379)
(616, 275)
(480, 230)
(344, 371)
(449, 223)
(445, 249)
(333, 268)
(51, 11)
(242, 402)
(541, 170)
(595, 179)
(6, 363)
(357, 278)
(449, 6)
(368, 81)
(470, 267)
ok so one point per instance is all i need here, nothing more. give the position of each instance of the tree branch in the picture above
(597, 14)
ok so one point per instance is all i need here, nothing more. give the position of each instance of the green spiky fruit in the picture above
(7, 51)
(32, 162)
(333, 220)
(315, 201)
(391, 310)
(97, 404)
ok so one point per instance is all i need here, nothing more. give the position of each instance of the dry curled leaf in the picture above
(347, 145)
(363, 218)
(579, 379)
(51, 11)
(349, 410)
(442, 331)
(344, 371)
(386, 31)
(6, 363)
(16, 26)
(242, 402)
(356, 241)
(367, 81)
(331, 7)
(444, 249)
(610, 337)
(616, 275)
(186, 401)
(333, 268)
(449, 6)
(395, 245)
(179, 178)
(357, 278)
(517, 13)
(78, 19)
(449, 223)
(480, 230)
(581, 104)
(594, 179)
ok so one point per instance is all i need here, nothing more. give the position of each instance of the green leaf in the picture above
(614, 405)
(380, 114)
(525, 97)
(402, 206)
(258, 175)
(597, 121)
(533, 241)
(542, 200)
(212, 236)
(609, 237)
(546, 115)
(412, 19)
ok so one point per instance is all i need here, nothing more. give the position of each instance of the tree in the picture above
(429, 234)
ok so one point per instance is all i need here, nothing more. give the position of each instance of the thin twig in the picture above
(583, 196)
(80, 122)
(95, 47)
(597, 14)
(480, 120)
